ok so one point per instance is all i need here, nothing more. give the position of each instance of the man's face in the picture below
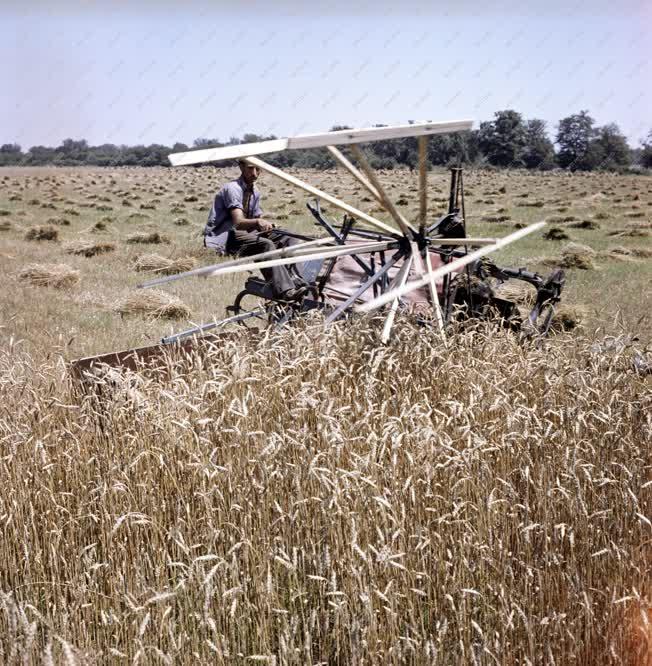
(249, 173)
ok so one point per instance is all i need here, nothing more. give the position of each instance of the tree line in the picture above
(509, 140)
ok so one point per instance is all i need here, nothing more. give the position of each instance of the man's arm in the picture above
(247, 223)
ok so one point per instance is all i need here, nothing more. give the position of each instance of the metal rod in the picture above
(452, 199)
(321, 220)
(207, 327)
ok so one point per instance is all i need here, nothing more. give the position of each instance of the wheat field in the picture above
(308, 498)
(305, 496)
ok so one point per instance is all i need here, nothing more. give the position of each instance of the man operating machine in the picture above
(236, 227)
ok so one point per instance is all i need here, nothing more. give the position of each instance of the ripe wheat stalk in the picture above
(311, 498)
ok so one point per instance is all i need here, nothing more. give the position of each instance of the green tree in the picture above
(646, 153)
(72, 152)
(206, 143)
(575, 136)
(38, 155)
(611, 148)
(10, 154)
(503, 140)
(539, 153)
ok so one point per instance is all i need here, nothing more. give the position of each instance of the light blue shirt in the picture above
(231, 196)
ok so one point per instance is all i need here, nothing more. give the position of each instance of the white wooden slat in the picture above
(399, 281)
(324, 254)
(388, 205)
(434, 297)
(354, 171)
(292, 250)
(338, 138)
(338, 203)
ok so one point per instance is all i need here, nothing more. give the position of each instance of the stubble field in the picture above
(309, 497)
(101, 222)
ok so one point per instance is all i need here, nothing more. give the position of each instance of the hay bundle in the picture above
(58, 221)
(585, 224)
(567, 318)
(58, 276)
(618, 254)
(634, 232)
(136, 217)
(88, 248)
(181, 222)
(556, 234)
(154, 304)
(5, 225)
(42, 232)
(576, 255)
(155, 263)
(153, 237)
(518, 292)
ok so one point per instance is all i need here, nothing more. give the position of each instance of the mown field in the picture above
(118, 216)
(309, 497)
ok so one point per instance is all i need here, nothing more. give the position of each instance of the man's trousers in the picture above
(248, 243)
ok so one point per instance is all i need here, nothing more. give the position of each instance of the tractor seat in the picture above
(259, 287)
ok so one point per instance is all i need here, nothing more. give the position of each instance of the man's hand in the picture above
(264, 225)
(249, 224)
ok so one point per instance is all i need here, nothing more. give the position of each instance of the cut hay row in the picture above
(155, 305)
(155, 263)
(42, 232)
(142, 237)
(87, 248)
(58, 276)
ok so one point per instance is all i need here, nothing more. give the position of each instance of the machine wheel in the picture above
(245, 303)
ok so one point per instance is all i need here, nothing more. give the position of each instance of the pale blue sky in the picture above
(160, 72)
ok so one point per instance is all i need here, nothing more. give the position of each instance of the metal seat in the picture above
(258, 287)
